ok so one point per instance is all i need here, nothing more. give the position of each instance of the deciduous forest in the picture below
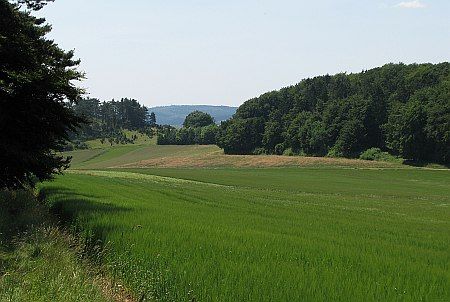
(402, 109)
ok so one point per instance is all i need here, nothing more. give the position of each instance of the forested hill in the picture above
(402, 109)
(174, 115)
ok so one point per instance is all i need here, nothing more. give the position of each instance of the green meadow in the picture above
(261, 234)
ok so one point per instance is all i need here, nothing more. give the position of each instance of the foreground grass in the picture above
(36, 263)
(267, 234)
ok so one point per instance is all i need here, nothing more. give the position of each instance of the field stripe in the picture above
(146, 177)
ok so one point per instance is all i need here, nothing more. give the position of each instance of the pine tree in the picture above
(35, 94)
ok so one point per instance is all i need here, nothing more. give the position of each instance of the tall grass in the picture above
(36, 261)
(268, 234)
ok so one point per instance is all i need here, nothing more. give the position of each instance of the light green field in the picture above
(267, 234)
(142, 139)
(115, 156)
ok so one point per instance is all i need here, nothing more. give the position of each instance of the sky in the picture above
(164, 52)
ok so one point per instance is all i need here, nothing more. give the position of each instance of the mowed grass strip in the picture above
(133, 154)
(200, 156)
(268, 234)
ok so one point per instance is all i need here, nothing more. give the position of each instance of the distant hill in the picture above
(175, 114)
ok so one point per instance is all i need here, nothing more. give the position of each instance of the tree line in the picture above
(402, 109)
(198, 128)
(108, 118)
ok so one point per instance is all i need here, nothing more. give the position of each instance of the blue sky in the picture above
(225, 52)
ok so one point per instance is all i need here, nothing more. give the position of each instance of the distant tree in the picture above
(110, 117)
(307, 134)
(405, 131)
(36, 90)
(273, 135)
(208, 135)
(240, 136)
(167, 135)
(198, 119)
(152, 120)
(437, 127)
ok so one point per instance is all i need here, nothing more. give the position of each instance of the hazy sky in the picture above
(225, 52)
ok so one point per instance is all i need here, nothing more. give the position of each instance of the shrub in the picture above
(259, 151)
(288, 152)
(279, 149)
(335, 151)
(68, 147)
(377, 154)
(371, 154)
(80, 145)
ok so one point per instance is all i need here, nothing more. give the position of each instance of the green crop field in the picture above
(267, 234)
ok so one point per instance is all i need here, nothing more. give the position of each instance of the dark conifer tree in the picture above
(36, 90)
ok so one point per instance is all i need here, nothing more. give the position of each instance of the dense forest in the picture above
(398, 108)
(198, 128)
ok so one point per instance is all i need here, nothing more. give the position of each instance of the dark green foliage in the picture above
(198, 119)
(34, 4)
(108, 118)
(378, 155)
(168, 135)
(273, 135)
(208, 135)
(405, 133)
(152, 120)
(16, 213)
(307, 133)
(403, 109)
(199, 129)
(240, 136)
(35, 93)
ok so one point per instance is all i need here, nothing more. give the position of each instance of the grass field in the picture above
(270, 234)
(194, 156)
(141, 139)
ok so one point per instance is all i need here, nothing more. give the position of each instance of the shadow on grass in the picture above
(73, 208)
(19, 211)
(423, 164)
(76, 203)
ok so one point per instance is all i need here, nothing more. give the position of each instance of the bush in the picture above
(259, 151)
(68, 147)
(80, 145)
(377, 154)
(288, 152)
(371, 154)
(335, 151)
(279, 149)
